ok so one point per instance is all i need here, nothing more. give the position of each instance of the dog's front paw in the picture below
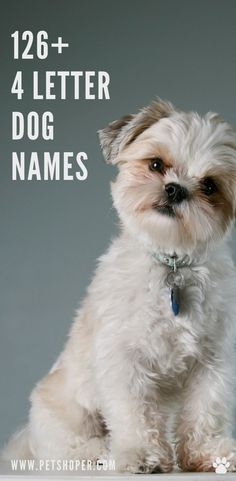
(214, 455)
(148, 460)
(92, 449)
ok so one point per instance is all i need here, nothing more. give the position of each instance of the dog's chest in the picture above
(172, 348)
(170, 344)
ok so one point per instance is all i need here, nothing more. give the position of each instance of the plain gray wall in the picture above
(52, 232)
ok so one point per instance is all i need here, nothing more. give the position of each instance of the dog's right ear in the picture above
(111, 137)
(124, 131)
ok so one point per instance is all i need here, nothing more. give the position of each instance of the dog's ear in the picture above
(122, 132)
(111, 137)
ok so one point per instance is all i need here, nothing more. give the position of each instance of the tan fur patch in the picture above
(187, 460)
(144, 151)
(200, 464)
(124, 131)
(148, 116)
(222, 199)
(146, 186)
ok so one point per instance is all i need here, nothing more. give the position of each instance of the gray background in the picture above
(52, 232)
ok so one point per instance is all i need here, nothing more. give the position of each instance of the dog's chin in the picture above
(165, 210)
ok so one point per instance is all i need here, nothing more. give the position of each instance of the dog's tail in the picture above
(18, 446)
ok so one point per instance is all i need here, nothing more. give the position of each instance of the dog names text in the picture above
(48, 85)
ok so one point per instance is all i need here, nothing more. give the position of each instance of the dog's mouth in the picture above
(165, 210)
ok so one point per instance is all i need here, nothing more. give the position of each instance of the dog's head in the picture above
(176, 187)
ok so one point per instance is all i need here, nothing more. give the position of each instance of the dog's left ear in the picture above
(122, 132)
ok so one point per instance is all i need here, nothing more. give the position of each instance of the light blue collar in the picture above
(173, 261)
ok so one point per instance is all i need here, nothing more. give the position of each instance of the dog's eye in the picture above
(157, 165)
(208, 186)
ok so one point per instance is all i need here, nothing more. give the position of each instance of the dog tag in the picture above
(175, 300)
(175, 279)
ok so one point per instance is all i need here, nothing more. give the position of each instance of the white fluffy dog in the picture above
(155, 333)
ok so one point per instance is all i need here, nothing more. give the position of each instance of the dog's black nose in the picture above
(175, 193)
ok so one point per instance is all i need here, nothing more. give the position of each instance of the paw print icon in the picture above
(221, 465)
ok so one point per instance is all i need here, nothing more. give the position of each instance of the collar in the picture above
(173, 261)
